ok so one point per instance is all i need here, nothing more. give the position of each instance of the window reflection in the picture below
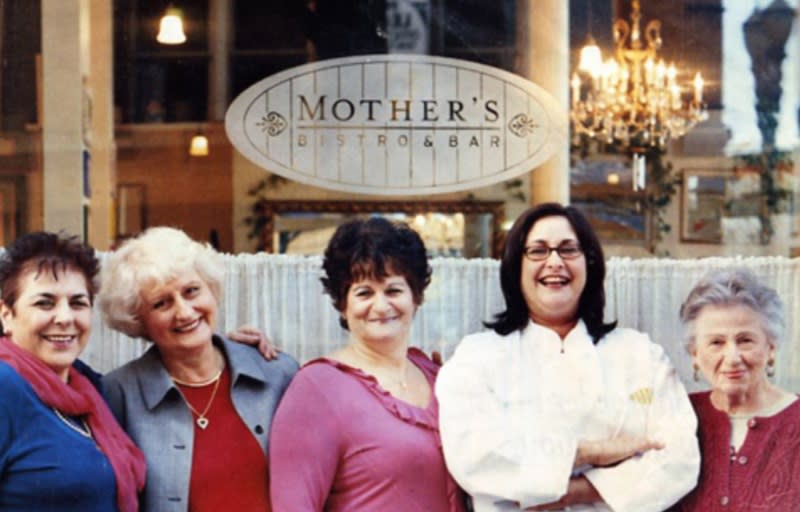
(161, 95)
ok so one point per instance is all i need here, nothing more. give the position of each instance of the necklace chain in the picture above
(402, 376)
(85, 431)
(402, 380)
(201, 419)
(206, 382)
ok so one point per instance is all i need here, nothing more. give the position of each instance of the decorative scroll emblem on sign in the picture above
(273, 123)
(396, 124)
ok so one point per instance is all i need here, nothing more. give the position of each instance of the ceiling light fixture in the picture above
(199, 145)
(633, 98)
(171, 27)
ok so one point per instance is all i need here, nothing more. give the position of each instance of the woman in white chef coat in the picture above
(553, 408)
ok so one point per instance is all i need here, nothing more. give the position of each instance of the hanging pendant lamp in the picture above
(171, 27)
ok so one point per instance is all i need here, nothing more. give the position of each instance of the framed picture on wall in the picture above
(703, 204)
(131, 209)
(601, 186)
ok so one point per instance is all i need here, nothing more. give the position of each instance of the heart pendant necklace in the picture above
(201, 419)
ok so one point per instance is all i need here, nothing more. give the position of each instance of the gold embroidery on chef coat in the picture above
(643, 396)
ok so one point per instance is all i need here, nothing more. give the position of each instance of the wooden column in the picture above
(63, 99)
(543, 45)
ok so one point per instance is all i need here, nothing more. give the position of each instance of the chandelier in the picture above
(632, 99)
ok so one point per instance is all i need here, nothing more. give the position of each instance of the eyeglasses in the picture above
(542, 252)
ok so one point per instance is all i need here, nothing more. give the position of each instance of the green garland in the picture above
(661, 187)
(768, 162)
(257, 218)
(776, 199)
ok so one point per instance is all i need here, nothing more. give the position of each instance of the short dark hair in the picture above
(45, 252)
(371, 248)
(593, 298)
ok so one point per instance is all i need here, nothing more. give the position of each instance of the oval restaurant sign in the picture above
(396, 124)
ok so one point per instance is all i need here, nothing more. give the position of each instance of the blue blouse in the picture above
(44, 464)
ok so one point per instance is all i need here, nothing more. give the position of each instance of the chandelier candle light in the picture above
(632, 99)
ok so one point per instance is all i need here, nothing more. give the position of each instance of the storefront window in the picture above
(130, 114)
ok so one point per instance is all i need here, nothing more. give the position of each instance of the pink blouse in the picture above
(340, 442)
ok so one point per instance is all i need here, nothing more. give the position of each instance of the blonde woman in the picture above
(198, 406)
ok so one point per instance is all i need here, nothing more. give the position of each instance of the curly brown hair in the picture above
(374, 248)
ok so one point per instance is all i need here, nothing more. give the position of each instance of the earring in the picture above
(771, 368)
(696, 373)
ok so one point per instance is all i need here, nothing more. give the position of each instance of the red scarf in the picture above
(80, 398)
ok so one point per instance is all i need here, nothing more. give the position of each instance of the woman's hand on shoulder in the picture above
(249, 335)
(608, 452)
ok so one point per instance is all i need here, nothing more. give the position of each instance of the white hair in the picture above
(155, 257)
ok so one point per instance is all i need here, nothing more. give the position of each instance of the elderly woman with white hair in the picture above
(749, 428)
(197, 405)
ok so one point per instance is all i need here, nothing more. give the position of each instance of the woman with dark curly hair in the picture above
(357, 430)
(60, 447)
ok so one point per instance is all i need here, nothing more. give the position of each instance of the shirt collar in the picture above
(156, 383)
(544, 336)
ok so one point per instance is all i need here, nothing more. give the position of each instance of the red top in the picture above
(341, 442)
(764, 475)
(229, 470)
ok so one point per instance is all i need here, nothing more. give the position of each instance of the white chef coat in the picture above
(512, 409)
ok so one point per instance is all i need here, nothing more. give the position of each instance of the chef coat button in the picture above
(259, 429)
(751, 423)
(743, 459)
(724, 501)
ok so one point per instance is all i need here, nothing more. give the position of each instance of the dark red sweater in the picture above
(229, 470)
(764, 475)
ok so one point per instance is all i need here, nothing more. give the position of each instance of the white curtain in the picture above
(646, 294)
(282, 295)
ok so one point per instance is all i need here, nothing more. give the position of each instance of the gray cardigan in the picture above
(149, 407)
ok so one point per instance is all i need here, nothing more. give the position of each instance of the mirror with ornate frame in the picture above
(449, 228)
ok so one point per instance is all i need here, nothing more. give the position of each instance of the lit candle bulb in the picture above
(624, 78)
(671, 74)
(698, 87)
(661, 71)
(576, 88)
(648, 71)
(676, 96)
(603, 83)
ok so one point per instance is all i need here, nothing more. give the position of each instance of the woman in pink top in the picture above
(358, 430)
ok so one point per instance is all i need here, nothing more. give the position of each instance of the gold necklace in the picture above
(206, 382)
(403, 381)
(401, 377)
(201, 420)
(85, 431)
